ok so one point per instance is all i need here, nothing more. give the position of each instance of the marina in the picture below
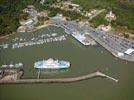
(38, 42)
(75, 55)
(35, 39)
(83, 60)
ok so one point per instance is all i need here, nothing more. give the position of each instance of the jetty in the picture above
(59, 80)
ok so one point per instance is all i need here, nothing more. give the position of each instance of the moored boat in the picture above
(51, 64)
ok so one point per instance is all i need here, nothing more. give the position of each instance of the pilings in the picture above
(58, 80)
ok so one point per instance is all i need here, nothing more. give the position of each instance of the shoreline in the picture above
(108, 48)
(33, 30)
(51, 23)
(59, 80)
(1, 37)
(111, 51)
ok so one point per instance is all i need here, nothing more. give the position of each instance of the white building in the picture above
(105, 28)
(110, 16)
(21, 29)
(60, 16)
(26, 22)
(129, 51)
(120, 54)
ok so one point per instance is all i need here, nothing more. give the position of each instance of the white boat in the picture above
(54, 34)
(5, 46)
(51, 64)
(18, 65)
(4, 66)
(11, 65)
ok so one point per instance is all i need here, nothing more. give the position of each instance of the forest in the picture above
(10, 11)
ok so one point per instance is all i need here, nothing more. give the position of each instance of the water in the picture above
(83, 60)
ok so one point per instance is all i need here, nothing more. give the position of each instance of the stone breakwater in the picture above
(58, 80)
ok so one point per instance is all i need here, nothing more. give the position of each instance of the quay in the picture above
(58, 80)
(117, 46)
(76, 30)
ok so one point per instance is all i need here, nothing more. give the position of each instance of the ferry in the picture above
(52, 64)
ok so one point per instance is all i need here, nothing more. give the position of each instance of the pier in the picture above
(59, 80)
(44, 38)
(76, 30)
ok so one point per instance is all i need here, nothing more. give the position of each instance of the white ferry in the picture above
(51, 64)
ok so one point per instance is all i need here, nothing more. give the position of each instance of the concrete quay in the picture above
(76, 30)
(113, 45)
(117, 46)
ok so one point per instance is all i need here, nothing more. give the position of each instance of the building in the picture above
(67, 5)
(21, 29)
(110, 16)
(129, 51)
(60, 16)
(43, 13)
(26, 22)
(105, 28)
(120, 54)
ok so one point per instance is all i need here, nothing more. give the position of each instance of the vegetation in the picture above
(122, 8)
(126, 35)
(70, 14)
(99, 20)
(41, 21)
(11, 12)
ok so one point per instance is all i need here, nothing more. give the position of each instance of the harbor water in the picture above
(83, 59)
